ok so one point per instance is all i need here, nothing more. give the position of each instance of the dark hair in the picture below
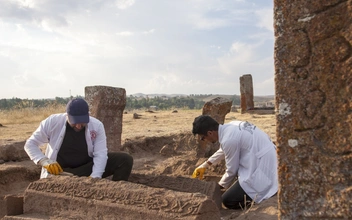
(204, 123)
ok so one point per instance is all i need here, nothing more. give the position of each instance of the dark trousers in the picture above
(235, 197)
(119, 165)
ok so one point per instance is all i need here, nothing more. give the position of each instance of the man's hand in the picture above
(199, 171)
(51, 166)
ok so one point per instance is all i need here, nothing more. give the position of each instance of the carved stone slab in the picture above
(87, 198)
(181, 184)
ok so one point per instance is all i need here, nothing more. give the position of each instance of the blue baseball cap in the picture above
(77, 111)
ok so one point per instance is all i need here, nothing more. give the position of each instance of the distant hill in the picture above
(157, 95)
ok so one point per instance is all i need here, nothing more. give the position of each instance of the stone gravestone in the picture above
(181, 184)
(246, 89)
(87, 198)
(216, 108)
(313, 77)
(107, 104)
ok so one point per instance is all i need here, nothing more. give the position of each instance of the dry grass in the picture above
(19, 124)
(28, 115)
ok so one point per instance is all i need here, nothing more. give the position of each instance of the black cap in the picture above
(77, 111)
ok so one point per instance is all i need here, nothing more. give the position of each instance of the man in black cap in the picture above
(76, 144)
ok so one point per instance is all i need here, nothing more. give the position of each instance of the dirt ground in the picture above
(161, 144)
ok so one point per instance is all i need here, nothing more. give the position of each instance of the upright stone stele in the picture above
(107, 104)
(246, 89)
(313, 78)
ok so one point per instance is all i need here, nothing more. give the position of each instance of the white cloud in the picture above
(125, 33)
(151, 31)
(208, 23)
(123, 4)
(238, 58)
(265, 17)
(198, 46)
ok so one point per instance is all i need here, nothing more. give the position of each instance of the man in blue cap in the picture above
(76, 144)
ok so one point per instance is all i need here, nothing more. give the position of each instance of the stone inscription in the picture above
(184, 185)
(153, 201)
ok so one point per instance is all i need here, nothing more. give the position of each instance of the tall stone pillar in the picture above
(107, 104)
(313, 78)
(246, 89)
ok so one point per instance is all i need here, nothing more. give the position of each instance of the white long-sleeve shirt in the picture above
(250, 154)
(52, 131)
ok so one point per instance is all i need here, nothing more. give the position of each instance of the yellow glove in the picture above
(51, 166)
(199, 171)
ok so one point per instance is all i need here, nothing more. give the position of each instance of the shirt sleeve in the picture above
(232, 159)
(217, 157)
(100, 153)
(37, 139)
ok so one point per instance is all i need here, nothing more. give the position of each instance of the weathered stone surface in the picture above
(12, 151)
(107, 104)
(246, 89)
(216, 108)
(181, 184)
(313, 80)
(82, 197)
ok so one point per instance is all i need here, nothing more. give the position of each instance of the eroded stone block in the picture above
(313, 81)
(216, 108)
(83, 197)
(181, 184)
(13, 150)
(107, 104)
(246, 89)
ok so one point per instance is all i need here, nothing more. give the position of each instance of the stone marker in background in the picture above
(246, 89)
(107, 104)
(216, 108)
(86, 198)
(313, 77)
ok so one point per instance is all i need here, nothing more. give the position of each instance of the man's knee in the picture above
(233, 204)
(121, 158)
(230, 201)
(129, 160)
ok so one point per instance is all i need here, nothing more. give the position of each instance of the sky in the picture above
(55, 48)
